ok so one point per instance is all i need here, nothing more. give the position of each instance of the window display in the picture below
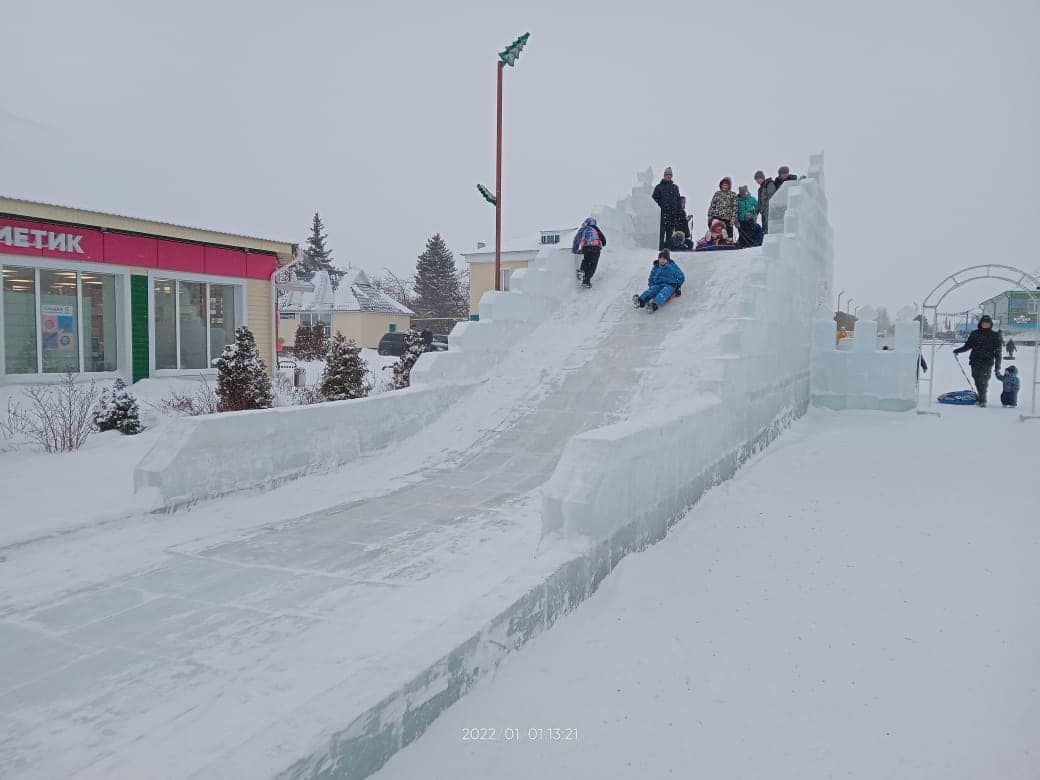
(59, 310)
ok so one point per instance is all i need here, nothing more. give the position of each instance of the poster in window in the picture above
(58, 327)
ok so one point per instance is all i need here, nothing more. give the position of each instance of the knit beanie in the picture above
(758, 175)
(668, 171)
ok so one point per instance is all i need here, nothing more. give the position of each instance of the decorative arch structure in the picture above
(1020, 279)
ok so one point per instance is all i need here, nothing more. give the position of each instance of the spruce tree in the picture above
(414, 347)
(302, 343)
(438, 287)
(117, 411)
(242, 380)
(345, 371)
(316, 255)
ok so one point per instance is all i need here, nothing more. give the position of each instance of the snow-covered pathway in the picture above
(863, 601)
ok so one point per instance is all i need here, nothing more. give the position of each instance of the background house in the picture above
(516, 254)
(355, 308)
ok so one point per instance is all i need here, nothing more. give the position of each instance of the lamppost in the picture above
(507, 56)
(838, 308)
(848, 305)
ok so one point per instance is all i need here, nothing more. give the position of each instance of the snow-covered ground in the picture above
(862, 601)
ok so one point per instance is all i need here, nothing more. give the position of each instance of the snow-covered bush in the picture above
(345, 371)
(242, 380)
(202, 401)
(117, 410)
(58, 417)
(285, 393)
(414, 347)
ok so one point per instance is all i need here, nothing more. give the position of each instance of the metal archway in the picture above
(974, 273)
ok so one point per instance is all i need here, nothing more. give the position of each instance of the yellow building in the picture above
(516, 254)
(105, 296)
(354, 308)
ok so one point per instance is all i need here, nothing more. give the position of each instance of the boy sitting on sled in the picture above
(666, 279)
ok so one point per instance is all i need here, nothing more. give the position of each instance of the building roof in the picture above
(354, 293)
(51, 212)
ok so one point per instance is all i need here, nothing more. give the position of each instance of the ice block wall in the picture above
(860, 375)
(626, 482)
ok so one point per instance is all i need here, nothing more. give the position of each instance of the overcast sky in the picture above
(249, 116)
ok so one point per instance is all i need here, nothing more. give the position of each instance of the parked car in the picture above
(394, 343)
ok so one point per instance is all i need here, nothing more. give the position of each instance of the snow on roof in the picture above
(143, 220)
(354, 293)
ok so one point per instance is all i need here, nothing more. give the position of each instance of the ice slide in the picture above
(320, 645)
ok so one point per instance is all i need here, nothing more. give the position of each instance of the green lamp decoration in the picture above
(511, 53)
(488, 195)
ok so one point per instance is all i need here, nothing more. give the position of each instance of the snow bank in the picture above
(211, 455)
(634, 477)
(861, 376)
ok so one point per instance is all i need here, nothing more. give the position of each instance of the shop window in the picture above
(59, 321)
(98, 292)
(194, 321)
(59, 313)
(191, 309)
(165, 315)
(20, 355)
(221, 317)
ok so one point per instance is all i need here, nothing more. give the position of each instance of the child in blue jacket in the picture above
(1009, 397)
(666, 279)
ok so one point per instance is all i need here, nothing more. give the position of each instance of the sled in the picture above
(959, 398)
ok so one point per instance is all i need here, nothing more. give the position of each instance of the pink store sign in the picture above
(43, 239)
(22, 237)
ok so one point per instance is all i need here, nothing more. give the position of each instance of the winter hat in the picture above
(1011, 370)
(985, 318)
(758, 175)
(668, 171)
(724, 180)
(665, 254)
(783, 170)
(742, 189)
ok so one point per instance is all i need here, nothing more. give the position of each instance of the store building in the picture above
(103, 295)
(1014, 312)
(516, 254)
(353, 307)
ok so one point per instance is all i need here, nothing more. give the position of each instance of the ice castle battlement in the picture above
(857, 374)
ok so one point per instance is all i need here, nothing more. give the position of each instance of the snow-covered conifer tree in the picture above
(414, 347)
(117, 410)
(242, 380)
(345, 371)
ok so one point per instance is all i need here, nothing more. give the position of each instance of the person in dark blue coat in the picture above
(666, 195)
(1009, 396)
(666, 279)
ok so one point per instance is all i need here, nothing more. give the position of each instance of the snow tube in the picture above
(959, 398)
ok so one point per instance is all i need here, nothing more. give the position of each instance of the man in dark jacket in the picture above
(666, 195)
(766, 188)
(985, 345)
(783, 173)
(1011, 347)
